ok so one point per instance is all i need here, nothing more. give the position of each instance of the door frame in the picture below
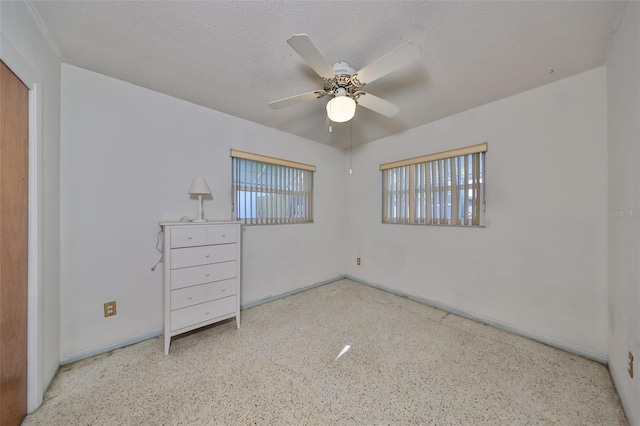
(35, 305)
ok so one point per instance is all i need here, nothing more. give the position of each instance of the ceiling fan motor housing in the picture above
(343, 68)
(345, 81)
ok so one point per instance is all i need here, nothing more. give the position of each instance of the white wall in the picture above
(128, 157)
(623, 85)
(26, 50)
(539, 266)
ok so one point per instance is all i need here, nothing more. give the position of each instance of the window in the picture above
(269, 190)
(446, 188)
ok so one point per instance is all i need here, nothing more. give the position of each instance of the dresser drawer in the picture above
(187, 236)
(193, 256)
(202, 293)
(185, 277)
(222, 234)
(203, 312)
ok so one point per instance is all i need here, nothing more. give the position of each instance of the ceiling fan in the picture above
(343, 85)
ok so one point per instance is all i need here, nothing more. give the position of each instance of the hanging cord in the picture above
(350, 145)
(160, 248)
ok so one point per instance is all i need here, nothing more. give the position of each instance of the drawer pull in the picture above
(189, 297)
(207, 274)
(207, 313)
(224, 289)
(190, 237)
(224, 235)
(207, 255)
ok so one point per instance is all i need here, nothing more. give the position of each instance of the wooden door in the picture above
(14, 192)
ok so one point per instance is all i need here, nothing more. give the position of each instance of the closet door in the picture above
(14, 193)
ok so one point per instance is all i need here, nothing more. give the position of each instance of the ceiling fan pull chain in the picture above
(350, 146)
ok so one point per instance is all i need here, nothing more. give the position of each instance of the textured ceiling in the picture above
(233, 56)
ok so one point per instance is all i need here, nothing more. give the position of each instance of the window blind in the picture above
(446, 188)
(269, 190)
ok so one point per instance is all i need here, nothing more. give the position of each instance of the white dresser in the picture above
(201, 275)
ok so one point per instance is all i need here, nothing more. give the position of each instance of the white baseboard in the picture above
(117, 344)
(289, 293)
(97, 350)
(595, 356)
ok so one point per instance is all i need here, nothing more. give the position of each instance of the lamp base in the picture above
(200, 220)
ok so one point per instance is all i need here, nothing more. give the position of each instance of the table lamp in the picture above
(199, 187)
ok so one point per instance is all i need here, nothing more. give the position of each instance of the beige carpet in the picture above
(408, 364)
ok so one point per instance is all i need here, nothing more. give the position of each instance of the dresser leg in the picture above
(238, 321)
(167, 342)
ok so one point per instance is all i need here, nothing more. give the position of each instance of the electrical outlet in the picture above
(110, 309)
(358, 261)
(630, 370)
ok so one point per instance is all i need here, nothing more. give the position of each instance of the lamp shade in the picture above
(341, 108)
(199, 187)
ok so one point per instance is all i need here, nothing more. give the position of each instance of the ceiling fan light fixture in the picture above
(341, 108)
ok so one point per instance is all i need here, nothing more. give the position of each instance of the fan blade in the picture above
(392, 61)
(281, 103)
(377, 104)
(303, 45)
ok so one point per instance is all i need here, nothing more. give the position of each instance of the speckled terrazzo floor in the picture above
(409, 364)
